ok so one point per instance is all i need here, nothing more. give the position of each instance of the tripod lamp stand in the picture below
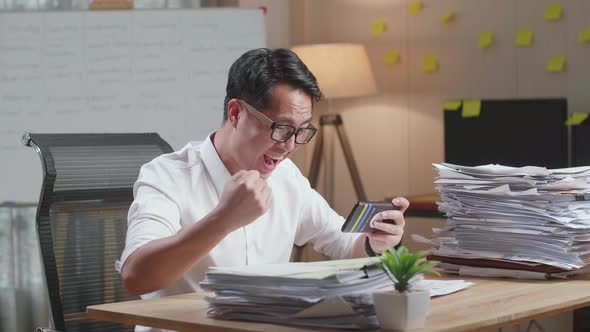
(342, 71)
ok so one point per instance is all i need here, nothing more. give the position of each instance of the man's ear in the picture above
(233, 111)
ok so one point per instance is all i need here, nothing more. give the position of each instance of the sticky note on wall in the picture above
(451, 105)
(553, 11)
(584, 36)
(486, 39)
(556, 64)
(414, 7)
(430, 64)
(447, 17)
(378, 27)
(471, 108)
(576, 119)
(524, 37)
(391, 57)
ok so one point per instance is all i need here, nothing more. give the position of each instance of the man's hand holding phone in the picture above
(390, 235)
(383, 223)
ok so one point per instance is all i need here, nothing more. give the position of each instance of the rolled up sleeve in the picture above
(154, 213)
(320, 225)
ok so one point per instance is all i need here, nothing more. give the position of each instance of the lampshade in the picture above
(342, 70)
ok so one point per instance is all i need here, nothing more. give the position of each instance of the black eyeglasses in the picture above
(281, 132)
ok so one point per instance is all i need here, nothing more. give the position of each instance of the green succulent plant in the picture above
(402, 265)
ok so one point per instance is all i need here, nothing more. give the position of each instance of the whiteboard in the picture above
(113, 71)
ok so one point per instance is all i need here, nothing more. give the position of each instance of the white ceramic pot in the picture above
(402, 311)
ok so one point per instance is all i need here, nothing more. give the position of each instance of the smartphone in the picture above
(359, 219)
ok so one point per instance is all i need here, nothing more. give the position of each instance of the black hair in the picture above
(253, 75)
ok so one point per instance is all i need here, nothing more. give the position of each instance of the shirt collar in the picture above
(214, 164)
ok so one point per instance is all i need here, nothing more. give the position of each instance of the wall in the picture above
(399, 133)
(277, 20)
(278, 35)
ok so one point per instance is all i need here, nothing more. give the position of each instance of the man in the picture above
(235, 198)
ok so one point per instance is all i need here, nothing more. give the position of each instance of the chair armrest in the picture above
(45, 329)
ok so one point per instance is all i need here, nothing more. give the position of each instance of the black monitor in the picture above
(521, 132)
(581, 144)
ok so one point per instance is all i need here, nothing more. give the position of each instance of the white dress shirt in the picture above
(178, 189)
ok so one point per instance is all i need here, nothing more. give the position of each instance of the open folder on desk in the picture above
(476, 271)
(482, 267)
(335, 294)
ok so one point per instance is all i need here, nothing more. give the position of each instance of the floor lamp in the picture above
(342, 71)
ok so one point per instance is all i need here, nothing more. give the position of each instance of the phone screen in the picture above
(359, 219)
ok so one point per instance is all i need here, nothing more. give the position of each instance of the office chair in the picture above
(82, 218)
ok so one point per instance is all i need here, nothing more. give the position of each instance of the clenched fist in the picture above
(245, 197)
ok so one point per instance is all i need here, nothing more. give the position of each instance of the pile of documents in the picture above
(528, 222)
(332, 294)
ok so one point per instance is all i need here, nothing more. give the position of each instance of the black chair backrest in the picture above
(82, 218)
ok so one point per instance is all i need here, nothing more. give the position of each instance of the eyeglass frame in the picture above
(265, 120)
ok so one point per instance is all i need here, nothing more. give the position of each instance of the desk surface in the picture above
(489, 303)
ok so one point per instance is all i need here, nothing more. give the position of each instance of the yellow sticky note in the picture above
(430, 64)
(553, 11)
(584, 36)
(378, 27)
(486, 39)
(391, 57)
(451, 105)
(576, 119)
(556, 64)
(414, 7)
(447, 17)
(524, 37)
(471, 108)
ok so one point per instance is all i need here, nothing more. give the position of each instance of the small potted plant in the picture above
(403, 308)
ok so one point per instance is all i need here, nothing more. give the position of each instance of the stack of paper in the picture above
(503, 219)
(333, 294)
(292, 293)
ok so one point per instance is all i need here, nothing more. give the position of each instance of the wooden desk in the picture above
(489, 303)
